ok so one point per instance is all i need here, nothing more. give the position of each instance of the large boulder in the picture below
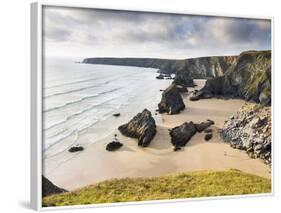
(48, 188)
(142, 127)
(180, 135)
(171, 101)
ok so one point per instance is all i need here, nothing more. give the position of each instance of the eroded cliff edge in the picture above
(249, 79)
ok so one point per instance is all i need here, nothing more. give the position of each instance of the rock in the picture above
(116, 114)
(203, 125)
(177, 148)
(208, 136)
(200, 95)
(258, 122)
(160, 76)
(114, 145)
(184, 80)
(48, 188)
(194, 98)
(171, 101)
(180, 135)
(245, 131)
(76, 149)
(142, 127)
(211, 121)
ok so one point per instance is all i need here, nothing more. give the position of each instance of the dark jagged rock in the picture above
(249, 79)
(114, 145)
(203, 125)
(142, 127)
(116, 114)
(48, 188)
(208, 136)
(171, 101)
(250, 130)
(76, 149)
(180, 135)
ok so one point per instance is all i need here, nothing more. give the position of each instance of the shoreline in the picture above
(95, 164)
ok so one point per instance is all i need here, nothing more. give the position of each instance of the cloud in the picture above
(92, 32)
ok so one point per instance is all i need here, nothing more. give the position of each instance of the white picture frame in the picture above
(36, 103)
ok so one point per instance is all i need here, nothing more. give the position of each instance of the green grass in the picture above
(185, 185)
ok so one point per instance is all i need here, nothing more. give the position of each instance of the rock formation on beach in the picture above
(48, 188)
(250, 130)
(142, 127)
(171, 101)
(113, 146)
(76, 149)
(180, 135)
(249, 79)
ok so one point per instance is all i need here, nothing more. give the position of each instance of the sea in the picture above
(78, 97)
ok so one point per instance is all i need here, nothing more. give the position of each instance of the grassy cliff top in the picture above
(184, 185)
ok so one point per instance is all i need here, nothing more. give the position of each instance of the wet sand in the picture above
(95, 164)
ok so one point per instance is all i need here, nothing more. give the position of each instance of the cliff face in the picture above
(186, 69)
(249, 78)
(164, 65)
(205, 67)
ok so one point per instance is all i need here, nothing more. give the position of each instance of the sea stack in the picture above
(142, 127)
(171, 101)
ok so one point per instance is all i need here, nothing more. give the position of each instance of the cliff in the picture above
(162, 64)
(249, 78)
(204, 67)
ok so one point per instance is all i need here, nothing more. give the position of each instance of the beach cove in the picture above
(95, 164)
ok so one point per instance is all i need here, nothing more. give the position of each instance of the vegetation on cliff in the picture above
(249, 79)
(185, 185)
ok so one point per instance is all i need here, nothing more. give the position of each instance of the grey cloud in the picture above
(152, 33)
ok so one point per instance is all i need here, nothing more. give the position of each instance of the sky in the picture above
(81, 33)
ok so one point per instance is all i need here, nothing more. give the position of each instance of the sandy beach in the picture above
(95, 164)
